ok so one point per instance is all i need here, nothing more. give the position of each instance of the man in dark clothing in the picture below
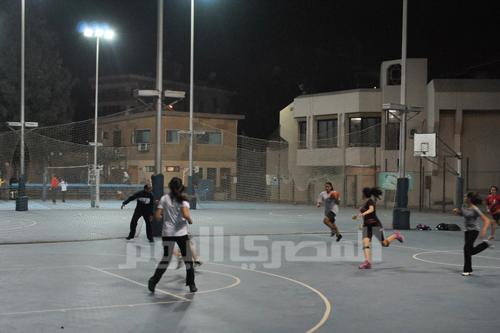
(144, 208)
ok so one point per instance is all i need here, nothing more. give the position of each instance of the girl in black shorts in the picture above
(372, 225)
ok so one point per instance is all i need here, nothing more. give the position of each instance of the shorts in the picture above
(373, 230)
(496, 217)
(331, 216)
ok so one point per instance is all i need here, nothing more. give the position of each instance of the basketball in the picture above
(335, 195)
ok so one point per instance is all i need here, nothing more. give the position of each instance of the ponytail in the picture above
(176, 189)
(372, 192)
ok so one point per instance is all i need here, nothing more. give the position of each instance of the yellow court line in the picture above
(328, 305)
(138, 283)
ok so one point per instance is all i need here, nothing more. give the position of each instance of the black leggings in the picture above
(168, 249)
(470, 249)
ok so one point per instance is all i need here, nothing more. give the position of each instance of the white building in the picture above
(347, 138)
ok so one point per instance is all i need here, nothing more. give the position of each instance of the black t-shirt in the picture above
(145, 201)
(370, 219)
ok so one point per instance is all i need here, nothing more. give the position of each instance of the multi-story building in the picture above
(116, 94)
(345, 136)
(129, 146)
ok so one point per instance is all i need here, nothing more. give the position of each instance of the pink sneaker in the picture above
(399, 236)
(365, 265)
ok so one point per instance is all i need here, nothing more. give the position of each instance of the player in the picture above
(144, 208)
(372, 225)
(173, 209)
(493, 206)
(331, 200)
(471, 213)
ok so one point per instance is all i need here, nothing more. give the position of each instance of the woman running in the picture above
(372, 225)
(471, 213)
(174, 209)
(493, 205)
(331, 200)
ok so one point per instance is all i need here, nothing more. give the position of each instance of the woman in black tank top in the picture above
(372, 225)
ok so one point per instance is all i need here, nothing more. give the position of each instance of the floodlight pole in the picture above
(96, 115)
(191, 104)
(23, 33)
(401, 213)
(159, 87)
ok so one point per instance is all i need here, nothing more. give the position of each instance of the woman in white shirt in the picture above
(174, 209)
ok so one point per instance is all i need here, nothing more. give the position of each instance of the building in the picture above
(346, 137)
(116, 94)
(128, 146)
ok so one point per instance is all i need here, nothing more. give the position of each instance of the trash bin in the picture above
(22, 204)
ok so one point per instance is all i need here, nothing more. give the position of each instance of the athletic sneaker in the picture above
(365, 265)
(151, 240)
(490, 244)
(339, 237)
(332, 234)
(466, 273)
(129, 238)
(192, 288)
(399, 236)
(151, 285)
(198, 263)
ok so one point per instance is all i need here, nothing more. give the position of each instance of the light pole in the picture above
(159, 89)
(191, 103)
(97, 33)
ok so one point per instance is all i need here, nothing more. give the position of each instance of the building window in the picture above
(394, 75)
(149, 168)
(172, 136)
(326, 135)
(142, 136)
(117, 138)
(302, 124)
(391, 132)
(105, 135)
(364, 131)
(212, 174)
(209, 138)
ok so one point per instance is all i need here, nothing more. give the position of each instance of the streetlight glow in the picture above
(87, 32)
(109, 34)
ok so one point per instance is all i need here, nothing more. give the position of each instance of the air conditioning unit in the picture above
(143, 147)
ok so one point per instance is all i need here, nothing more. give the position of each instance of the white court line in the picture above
(138, 283)
(415, 256)
(328, 306)
(86, 308)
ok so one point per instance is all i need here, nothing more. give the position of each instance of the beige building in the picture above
(347, 138)
(129, 142)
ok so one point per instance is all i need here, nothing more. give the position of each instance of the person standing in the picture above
(471, 213)
(493, 206)
(144, 209)
(54, 185)
(64, 187)
(331, 200)
(372, 225)
(173, 210)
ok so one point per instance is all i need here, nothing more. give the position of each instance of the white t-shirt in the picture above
(173, 222)
(64, 186)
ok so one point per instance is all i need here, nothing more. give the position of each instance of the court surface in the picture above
(267, 268)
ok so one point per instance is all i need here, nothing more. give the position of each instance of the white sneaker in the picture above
(466, 274)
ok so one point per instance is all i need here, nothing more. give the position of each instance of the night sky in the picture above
(265, 49)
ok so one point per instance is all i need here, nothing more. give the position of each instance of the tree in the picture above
(48, 83)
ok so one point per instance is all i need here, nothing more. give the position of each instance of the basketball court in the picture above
(264, 270)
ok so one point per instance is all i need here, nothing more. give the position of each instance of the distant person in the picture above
(372, 225)
(144, 209)
(471, 213)
(493, 206)
(331, 199)
(126, 177)
(54, 185)
(64, 188)
(173, 209)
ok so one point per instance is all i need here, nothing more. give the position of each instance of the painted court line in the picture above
(326, 302)
(118, 306)
(138, 283)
